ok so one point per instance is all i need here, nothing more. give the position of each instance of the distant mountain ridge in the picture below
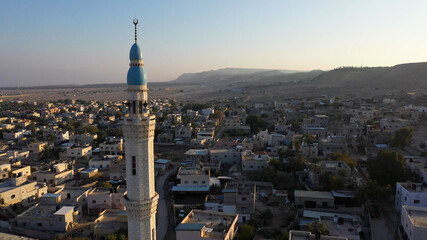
(226, 74)
(399, 77)
(409, 76)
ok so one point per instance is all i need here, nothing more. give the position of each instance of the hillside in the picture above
(228, 74)
(412, 76)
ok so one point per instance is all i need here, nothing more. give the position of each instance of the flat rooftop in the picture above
(7, 185)
(303, 235)
(213, 224)
(418, 215)
(313, 194)
(197, 152)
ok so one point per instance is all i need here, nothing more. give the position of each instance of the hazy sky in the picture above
(80, 41)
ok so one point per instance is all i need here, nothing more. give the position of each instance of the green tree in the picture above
(256, 123)
(276, 164)
(336, 183)
(340, 156)
(91, 129)
(266, 216)
(314, 227)
(281, 154)
(402, 137)
(246, 233)
(387, 168)
(374, 192)
(50, 152)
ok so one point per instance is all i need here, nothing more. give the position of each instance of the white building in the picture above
(414, 222)
(411, 194)
(138, 129)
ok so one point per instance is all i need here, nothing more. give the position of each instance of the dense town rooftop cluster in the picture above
(296, 168)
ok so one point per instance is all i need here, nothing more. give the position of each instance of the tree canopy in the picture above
(372, 191)
(402, 137)
(387, 168)
(246, 232)
(340, 156)
(256, 123)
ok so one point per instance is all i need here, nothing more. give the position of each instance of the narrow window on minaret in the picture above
(133, 165)
(140, 106)
(134, 107)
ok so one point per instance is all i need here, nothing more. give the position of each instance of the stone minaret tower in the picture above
(138, 129)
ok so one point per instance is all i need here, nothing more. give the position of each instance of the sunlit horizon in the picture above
(80, 42)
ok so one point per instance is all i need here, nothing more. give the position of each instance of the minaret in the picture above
(138, 129)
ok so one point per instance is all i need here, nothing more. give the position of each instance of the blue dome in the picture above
(135, 52)
(136, 76)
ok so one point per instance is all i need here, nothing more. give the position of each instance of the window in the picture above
(13, 196)
(416, 201)
(133, 165)
(243, 199)
(24, 224)
(39, 224)
(195, 182)
(93, 201)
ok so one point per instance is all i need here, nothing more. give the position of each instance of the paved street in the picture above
(162, 208)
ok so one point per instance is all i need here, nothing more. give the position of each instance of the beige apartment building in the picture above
(200, 225)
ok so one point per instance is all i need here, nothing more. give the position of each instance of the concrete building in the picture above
(314, 199)
(196, 155)
(310, 150)
(254, 161)
(54, 214)
(305, 235)
(228, 155)
(83, 139)
(112, 147)
(138, 129)
(110, 221)
(199, 225)
(240, 198)
(88, 173)
(413, 221)
(19, 190)
(410, 194)
(206, 133)
(56, 175)
(184, 132)
(190, 177)
(57, 134)
(105, 198)
(12, 136)
(36, 147)
(14, 157)
(79, 152)
(333, 144)
(336, 168)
